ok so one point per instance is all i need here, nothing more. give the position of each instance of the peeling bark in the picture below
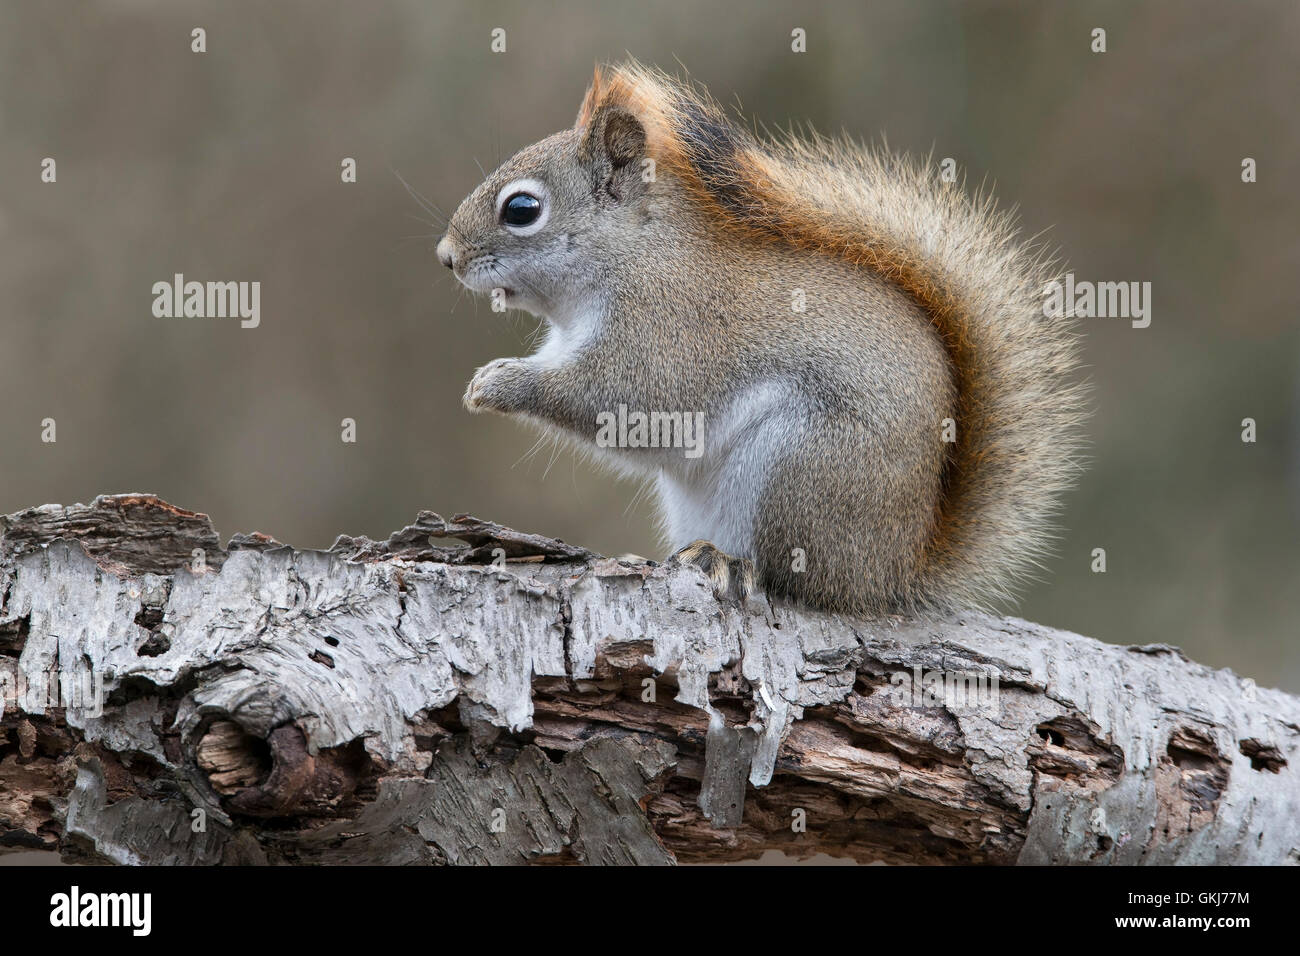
(466, 693)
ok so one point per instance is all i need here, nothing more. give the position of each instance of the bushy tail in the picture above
(1019, 407)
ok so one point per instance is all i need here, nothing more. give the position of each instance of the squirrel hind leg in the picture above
(732, 578)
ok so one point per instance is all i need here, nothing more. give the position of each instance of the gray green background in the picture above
(225, 166)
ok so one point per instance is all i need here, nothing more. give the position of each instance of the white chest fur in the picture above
(716, 496)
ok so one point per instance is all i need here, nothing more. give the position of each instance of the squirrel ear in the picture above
(624, 138)
(615, 133)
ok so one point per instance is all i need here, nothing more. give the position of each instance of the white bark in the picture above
(402, 702)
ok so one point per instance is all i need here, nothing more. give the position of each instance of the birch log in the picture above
(465, 693)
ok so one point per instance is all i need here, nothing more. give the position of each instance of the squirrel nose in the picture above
(445, 253)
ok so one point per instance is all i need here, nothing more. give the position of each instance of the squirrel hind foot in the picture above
(732, 578)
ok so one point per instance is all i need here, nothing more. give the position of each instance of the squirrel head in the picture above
(539, 226)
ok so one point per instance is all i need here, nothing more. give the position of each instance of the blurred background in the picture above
(226, 166)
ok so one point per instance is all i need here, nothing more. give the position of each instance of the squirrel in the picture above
(890, 417)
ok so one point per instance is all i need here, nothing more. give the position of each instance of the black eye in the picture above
(521, 209)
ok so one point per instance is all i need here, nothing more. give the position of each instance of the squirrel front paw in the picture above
(503, 385)
(731, 577)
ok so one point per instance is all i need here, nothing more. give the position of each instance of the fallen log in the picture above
(466, 693)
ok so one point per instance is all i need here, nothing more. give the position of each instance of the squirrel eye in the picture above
(521, 209)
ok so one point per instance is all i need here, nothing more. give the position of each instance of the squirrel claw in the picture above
(732, 578)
